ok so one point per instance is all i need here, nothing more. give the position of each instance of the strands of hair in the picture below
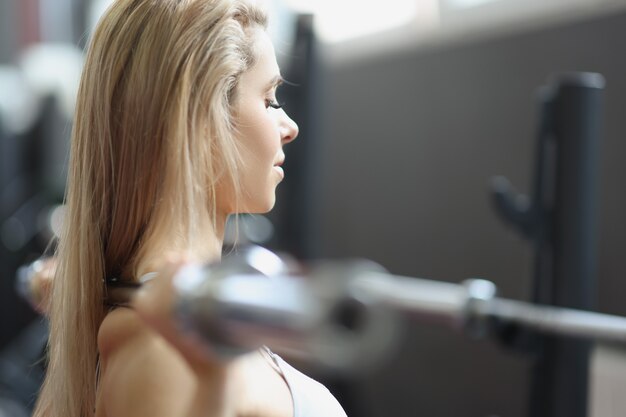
(152, 147)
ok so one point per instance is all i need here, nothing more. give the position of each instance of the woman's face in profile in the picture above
(263, 128)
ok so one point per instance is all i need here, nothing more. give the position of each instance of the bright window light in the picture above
(461, 4)
(346, 19)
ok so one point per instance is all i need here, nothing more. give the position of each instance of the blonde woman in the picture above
(177, 127)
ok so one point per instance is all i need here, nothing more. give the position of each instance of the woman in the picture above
(177, 127)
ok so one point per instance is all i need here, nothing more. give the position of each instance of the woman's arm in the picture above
(142, 374)
(151, 368)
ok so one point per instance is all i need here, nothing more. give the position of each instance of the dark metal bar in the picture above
(560, 220)
(565, 239)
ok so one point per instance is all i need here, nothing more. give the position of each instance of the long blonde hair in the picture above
(152, 141)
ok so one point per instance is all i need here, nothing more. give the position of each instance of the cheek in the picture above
(260, 138)
(261, 145)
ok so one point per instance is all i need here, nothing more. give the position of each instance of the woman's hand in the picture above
(38, 285)
(246, 385)
(152, 368)
(155, 304)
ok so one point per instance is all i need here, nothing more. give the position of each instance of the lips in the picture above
(280, 162)
(278, 166)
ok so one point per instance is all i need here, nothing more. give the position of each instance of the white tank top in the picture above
(310, 398)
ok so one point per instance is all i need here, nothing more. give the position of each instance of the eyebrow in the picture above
(275, 82)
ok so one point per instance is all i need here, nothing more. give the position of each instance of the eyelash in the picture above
(273, 104)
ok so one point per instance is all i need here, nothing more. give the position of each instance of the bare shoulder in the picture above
(141, 374)
(118, 327)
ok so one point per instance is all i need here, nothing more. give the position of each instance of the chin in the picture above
(261, 207)
(268, 207)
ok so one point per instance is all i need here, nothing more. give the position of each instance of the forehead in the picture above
(265, 66)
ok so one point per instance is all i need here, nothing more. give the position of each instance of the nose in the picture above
(289, 129)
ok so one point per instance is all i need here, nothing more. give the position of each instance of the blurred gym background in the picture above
(407, 108)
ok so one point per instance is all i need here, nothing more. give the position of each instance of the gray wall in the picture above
(8, 31)
(408, 144)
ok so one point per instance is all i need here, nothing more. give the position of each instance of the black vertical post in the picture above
(565, 207)
(292, 214)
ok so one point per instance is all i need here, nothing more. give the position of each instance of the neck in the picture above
(206, 248)
(215, 240)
